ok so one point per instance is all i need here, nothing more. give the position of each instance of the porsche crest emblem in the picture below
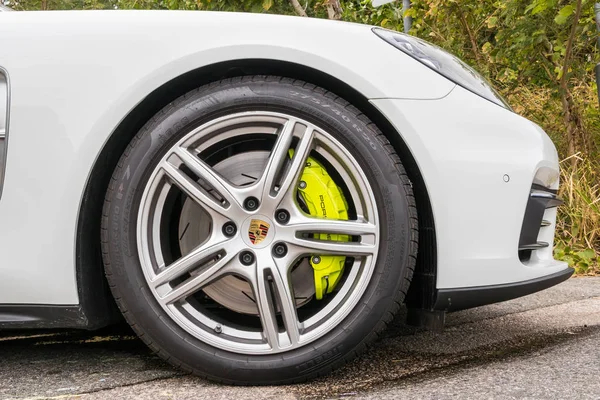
(258, 231)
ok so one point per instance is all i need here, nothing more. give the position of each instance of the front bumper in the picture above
(479, 162)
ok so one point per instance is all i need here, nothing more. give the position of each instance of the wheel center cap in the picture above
(258, 231)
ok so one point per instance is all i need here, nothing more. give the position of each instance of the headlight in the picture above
(442, 62)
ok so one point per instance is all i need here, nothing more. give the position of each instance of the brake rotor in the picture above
(195, 226)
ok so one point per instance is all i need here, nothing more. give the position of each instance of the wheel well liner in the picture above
(94, 295)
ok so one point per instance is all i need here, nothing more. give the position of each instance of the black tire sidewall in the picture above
(328, 112)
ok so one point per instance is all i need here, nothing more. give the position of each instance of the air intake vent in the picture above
(4, 110)
(540, 199)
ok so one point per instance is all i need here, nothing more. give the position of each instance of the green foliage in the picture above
(59, 4)
(583, 261)
(514, 42)
(388, 16)
(564, 14)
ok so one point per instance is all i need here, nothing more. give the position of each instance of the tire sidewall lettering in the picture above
(339, 113)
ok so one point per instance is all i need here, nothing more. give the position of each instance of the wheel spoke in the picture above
(205, 172)
(287, 303)
(192, 189)
(340, 227)
(266, 310)
(274, 291)
(187, 263)
(208, 275)
(279, 155)
(324, 247)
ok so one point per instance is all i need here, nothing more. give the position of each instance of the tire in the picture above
(168, 328)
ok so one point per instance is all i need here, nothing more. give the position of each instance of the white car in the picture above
(258, 194)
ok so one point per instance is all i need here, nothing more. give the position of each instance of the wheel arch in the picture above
(94, 296)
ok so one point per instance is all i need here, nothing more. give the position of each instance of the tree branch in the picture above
(569, 49)
(298, 8)
(565, 95)
(465, 24)
(334, 9)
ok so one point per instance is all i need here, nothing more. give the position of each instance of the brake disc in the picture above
(195, 226)
(320, 197)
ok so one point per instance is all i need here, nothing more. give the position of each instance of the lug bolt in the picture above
(316, 259)
(229, 229)
(282, 216)
(302, 185)
(279, 250)
(218, 329)
(246, 258)
(251, 203)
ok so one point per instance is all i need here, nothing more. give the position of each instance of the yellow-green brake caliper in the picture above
(324, 199)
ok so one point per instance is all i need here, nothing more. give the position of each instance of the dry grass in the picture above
(578, 224)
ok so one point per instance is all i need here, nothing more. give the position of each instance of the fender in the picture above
(86, 71)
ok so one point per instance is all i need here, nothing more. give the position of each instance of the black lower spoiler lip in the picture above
(463, 298)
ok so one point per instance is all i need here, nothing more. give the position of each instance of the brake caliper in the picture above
(324, 199)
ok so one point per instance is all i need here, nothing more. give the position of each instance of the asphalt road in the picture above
(542, 346)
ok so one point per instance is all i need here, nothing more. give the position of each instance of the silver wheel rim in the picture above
(176, 283)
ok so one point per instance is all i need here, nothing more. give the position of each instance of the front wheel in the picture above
(259, 230)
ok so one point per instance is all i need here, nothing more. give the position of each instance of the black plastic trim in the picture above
(16, 316)
(431, 320)
(540, 200)
(537, 186)
(97, 306)
(551, 199)
(463, 298)
(534, 246)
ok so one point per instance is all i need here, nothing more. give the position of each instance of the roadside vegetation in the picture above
(540, 54)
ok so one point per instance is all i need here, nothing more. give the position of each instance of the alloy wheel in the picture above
(241, 279)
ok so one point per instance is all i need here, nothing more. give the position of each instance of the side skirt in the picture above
(15, 316)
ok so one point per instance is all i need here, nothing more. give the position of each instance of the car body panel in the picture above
(76, 75)
(466, 150)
